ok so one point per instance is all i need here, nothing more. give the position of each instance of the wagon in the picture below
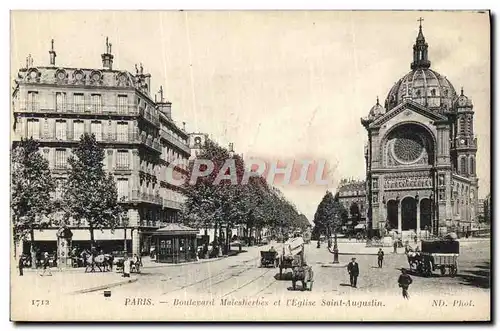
(269, 258)
(293, 254)
(439, 255)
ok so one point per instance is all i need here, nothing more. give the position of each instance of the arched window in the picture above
(472, 165)
(463, 166)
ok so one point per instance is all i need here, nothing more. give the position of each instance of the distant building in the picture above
(352, 195)
(56, 105)
(480, 209)
(196, 143)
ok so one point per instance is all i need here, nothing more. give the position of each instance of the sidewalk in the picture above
(63, 283)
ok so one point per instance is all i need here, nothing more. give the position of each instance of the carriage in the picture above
(292, 254)
(435, 255)
(269, 258)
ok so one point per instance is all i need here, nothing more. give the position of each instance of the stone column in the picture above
(417, 231)
(136, 241)
(400, 221)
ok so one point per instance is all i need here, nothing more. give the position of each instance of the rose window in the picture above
(408, 148)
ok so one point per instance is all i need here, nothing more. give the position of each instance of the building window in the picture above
(462, 126)
(33, 101)
(122, 131)
(79, 102)
(79, 129)
(122, 186)
(60, 102)
(463, 166)
(472, 166)
(61, 130)
(96, 103)
(33, 128)
(122, 104)
(96, 129)
(433, 92)
(61, 159)
(122, 160)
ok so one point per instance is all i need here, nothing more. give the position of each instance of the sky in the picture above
(279, 85)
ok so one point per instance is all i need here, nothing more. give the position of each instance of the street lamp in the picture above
(335, 246)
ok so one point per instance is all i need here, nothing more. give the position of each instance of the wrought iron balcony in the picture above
(174, 141)
(167, 203)
(77, 108)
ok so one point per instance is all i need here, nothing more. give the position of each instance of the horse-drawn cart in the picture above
(292, 255)
(435, 255)
(269, 258)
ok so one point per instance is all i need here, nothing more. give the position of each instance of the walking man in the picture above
(380, 255)
(395, 245)
(353, 270)
(21, 264)
(404, 282)
(126, 266)
(46, 266)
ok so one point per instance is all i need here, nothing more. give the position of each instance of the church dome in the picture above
(376, 110)
(463, 101)
(422, 84)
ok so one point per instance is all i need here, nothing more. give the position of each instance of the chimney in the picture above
(107, 58)
(163, 105)
(52, 54)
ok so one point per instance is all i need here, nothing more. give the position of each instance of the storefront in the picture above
(175, 243)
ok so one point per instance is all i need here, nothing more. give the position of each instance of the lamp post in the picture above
(335, 246)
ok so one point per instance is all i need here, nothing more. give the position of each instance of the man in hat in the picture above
(380, 256)
(404, 282)
(353, 270)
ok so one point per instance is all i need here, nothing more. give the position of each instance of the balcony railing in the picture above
(137, 196)
(130, 137)
(148, 116)
(79, 108)
(174, 141)
(167, 203)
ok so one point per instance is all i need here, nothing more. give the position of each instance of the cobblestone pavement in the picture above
(241, 275)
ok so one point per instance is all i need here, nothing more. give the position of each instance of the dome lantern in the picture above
(420, 51)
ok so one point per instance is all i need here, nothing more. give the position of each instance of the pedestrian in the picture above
(353, 270)
(46, 266)
(404, 282)
(395, 247)
(415, 239)
(21, 265)
(380, 255)
(126, 266)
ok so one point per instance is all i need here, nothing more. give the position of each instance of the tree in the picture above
(31, 188)
(329, 216)
(90, 193)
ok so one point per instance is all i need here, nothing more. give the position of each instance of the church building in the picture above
(421, 153)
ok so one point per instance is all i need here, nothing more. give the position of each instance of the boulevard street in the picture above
(240, 276)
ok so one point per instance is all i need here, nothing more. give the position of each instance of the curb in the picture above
(105, 286)
(163, 265)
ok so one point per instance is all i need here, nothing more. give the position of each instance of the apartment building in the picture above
(56, 105)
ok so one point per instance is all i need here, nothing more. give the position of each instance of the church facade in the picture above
(421, 153)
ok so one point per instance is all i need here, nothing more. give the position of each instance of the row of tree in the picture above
(89, 193)
(215, 203)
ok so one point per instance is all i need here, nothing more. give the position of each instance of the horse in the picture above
(102, 260)
(414, 259)
(304, 274)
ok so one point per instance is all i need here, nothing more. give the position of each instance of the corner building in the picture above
(56, 105)
(421, 153)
